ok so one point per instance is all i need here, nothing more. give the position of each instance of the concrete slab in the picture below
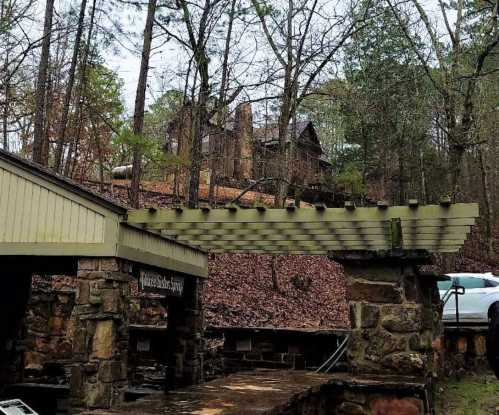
(245, 393)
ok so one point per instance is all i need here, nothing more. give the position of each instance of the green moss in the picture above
(472, 395)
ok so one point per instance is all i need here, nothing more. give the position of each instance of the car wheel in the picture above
(493, 338)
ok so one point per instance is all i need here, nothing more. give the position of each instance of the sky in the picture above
(124, 59)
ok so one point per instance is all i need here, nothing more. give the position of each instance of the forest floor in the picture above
(476, 394)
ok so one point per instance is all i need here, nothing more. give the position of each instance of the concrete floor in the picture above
(244, 393)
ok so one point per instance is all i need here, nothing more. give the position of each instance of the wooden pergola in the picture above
(316, 231)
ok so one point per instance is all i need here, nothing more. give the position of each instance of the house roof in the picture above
(62, 181)
(46, 215)
(269, 135)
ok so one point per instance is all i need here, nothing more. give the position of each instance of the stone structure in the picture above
(243, 129)
(185, 336)
(394, 313)
(101, 334)
(376, 395)
(395, 316)
(244, 348)
(461, 349)
(48, 329)
(100, 346)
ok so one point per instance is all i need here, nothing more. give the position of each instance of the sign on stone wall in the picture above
(158, 283)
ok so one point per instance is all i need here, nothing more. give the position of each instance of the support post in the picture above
(394, 314)
(185, 336)
(100, 338)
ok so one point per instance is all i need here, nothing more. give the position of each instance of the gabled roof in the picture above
(44, 214)
(270, 135)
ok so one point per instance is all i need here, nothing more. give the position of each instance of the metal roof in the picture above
(434, 228)
(43, 214)
(62, 181)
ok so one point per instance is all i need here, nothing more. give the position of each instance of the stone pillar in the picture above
(185, 336)
(100, 338)
(394, 314)
(243, 154)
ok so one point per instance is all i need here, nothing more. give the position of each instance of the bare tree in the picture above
(138, 116)
(303, 42)
(456, 89)
(72, 155)
(41, 87)
(69, 88)
(199, 20)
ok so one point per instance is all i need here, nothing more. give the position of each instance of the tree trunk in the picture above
(200, 121)
(5, 118)
(488, 213)
(73, 146)
(275, 275)
(140, 99)
(69, 89)
(456, 154)
(215, 157)
(49, 99)
(38, 133)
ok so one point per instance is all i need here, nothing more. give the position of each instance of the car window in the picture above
(470, 282)
(490, 283)
(444, 285)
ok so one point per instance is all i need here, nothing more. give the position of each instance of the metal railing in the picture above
(335, 357)
(455, 290)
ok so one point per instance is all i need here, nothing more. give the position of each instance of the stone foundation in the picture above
(395, 317)
(100, 341)
(462, 349)
(384, 395)
(238, 348)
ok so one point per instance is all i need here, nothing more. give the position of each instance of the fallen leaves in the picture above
(239, 292)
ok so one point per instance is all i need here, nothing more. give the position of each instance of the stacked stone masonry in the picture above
(395, 318)
(100, 340)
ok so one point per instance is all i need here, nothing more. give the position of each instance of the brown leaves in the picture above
(239, 292)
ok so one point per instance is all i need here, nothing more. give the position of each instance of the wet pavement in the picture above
(245, 393)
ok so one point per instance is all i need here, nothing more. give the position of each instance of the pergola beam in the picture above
(434, 228)
(158, 216)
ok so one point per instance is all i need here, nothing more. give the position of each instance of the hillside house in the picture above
(240, 151)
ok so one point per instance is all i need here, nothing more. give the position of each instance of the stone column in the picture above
(100, 338)
(393, 313)
(185, 336)
(243, 140)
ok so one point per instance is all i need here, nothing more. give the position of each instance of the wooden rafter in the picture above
(436, 228)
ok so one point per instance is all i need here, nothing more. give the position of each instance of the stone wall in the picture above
(394, 313)
(186, 336)
(100, 340)
(48, 328)
(48, 334)
(247, 348)
(462, 350)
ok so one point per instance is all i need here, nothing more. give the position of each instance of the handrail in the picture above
(335, 357)
(453, 289)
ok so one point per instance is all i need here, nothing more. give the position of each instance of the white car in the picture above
(481, 291)
(15, 407)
